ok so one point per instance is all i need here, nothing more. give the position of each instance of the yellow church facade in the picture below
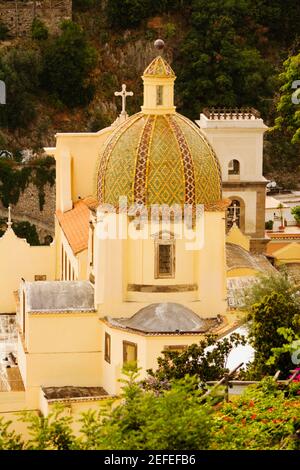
(141, 258)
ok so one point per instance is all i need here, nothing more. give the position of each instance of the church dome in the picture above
(158, 156)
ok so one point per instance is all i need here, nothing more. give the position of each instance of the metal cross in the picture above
(234, 219)
(9, 222)
(124, 95)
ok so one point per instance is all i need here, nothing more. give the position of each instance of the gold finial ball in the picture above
(159, 44)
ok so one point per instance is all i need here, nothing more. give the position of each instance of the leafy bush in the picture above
(269, 225)
(20, 69)
(15, 178)
(206, 360)
(3, 31)
(68, 61)
(264, 418)
(296, 213)
(39, 31)
(27, 231)
(273, 312)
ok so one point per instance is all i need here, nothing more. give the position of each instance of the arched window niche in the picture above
(164, 263)
(234, 170)
(236, 213)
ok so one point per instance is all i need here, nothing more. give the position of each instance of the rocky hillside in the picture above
(224, 53)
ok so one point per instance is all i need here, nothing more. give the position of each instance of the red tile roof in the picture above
(75, 225)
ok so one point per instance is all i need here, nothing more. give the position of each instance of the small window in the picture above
(159, 95)
(40, 277)
(107, 347)
(233, 214)
(234, 167)
(165, 259)
(129, 352)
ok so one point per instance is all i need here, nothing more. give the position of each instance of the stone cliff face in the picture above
(18, 15)
(27, 209)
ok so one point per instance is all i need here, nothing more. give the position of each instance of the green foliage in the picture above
(3, 31)
(219, 62)
(269, 283)
(269, 225)
(296, 213)
(68, 61)
(20, 69)
(288, 119)
(195, 360)
(85, 5)
(126, 14)
(52, 432)
(15, 178)
(28, 231)
(261, 419)
(143, 420)
(291, 347)
(265, 417)
(9, 439)
(273, 312)
(39, 30)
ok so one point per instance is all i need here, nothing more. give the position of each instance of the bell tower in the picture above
(237, 137)
(158, 79)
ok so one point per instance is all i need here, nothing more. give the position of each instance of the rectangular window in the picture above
(40, 277)
(159, 95)
(165, 259)
(107, 347)
(129, 352)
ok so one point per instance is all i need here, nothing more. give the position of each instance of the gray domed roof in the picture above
(165, 317)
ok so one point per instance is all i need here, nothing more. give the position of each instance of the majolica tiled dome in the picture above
(158, 156)
(158, 159)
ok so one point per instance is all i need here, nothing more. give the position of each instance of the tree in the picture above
(292, 347)
(264, 417)
(175, 419)
(68, 61)
(296, 213)
(19, 69)
(288, 106)
(9, 439)
(273, 312)
(267, 284)
(125, 14)
(218, 62)
(52, 432)
(3, 31)
(206, 360)
(39, 30)
(28, 231)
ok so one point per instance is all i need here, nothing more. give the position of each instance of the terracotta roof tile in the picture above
(91, 202)
(75, 225)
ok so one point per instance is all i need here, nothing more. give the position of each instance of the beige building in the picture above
(237, 137)
(125, 279)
